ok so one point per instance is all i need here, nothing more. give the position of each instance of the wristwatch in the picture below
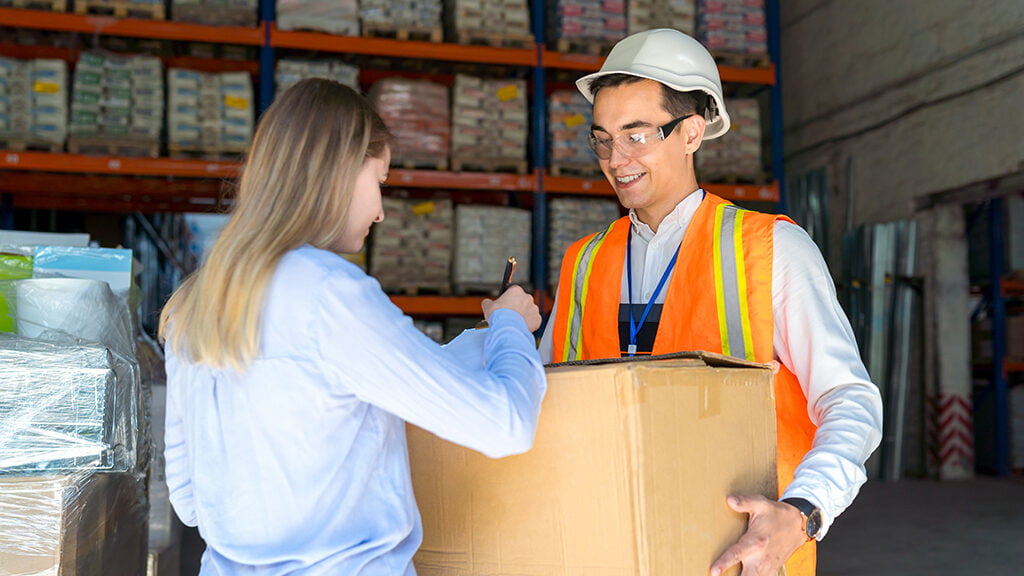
(811, 514)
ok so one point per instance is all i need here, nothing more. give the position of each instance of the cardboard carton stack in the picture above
(628, 474)
(489, 124)
(589, 26)
(733, 26)
(736, 155)
(216, 12)
(411, 250)
(649, 14)
(417, 113)
(33, 103)
(117, 104)
(210, 114)
(570, 219)
(569, 120)
(331, 16)
(288, 71)
(402, 19)
(490, 22)
(485, 237)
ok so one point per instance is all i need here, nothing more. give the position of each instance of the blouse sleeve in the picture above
(488, 402)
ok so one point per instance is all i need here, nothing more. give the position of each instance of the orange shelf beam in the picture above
(55, 162)
(401, 177)
(601, 187)
(452, 305)
(402, 48)
(1013, 288)
(70, 55)
(592, 63)
(131, 27)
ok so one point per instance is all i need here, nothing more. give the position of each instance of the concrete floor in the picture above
(920, 527)
(908, 528)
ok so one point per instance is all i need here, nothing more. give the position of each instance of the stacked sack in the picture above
(737, 153)
(34, 102)
(490, 22)
(489, 123)
(591, 23)
(412, 248)
(417, 114)
(209, 113)
(650, 14)
(216, 12)
(410, 15)
(570, 219)
(289, 71)
(331, 16)
(735, 26)
(117, 100)
(569, 119)
(485, 237)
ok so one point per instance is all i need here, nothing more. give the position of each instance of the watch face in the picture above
(814, 523)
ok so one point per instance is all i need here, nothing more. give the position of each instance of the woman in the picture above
(291, 374)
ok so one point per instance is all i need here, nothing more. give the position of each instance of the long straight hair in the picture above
(295, 189)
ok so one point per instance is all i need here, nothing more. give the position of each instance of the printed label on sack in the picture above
(46, 87)
(236, 102)
(510, 92)
(423, 208)
(575, 120)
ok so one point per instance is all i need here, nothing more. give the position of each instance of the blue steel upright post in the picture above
(998, 307)
(774, 52)
(539, 131)
(266, 71)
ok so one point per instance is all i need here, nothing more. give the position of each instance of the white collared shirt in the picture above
(812, 338)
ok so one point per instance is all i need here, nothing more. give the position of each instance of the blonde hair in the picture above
(295, 189)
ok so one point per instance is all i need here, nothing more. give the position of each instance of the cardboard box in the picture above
(628, 475)
(72, 525)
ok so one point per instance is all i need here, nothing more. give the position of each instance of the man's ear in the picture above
(693, 128)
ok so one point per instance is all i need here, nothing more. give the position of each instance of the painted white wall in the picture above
(920, 95)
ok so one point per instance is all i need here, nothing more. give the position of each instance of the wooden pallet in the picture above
(205, 154)
(755, 179)
(421, 33)
(489, 289)
(214, 15)
(737, 60)
(47, 5)
(109, 145)
(410, 163)
(489, 165)
(478, 38)
(583, 46)
(418, 289)
(121, 9)
(575, 170)
(25, 144)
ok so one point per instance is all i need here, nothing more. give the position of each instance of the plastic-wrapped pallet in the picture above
(490, 22)
(209, 113)
(402, 19)
(648, 14)
(489, 124)
(733, 26)
(216, 12)
(589, 26)
(289, 71)
(411, 250)
(737, 154)
(417, 113)
(331, 16)
(33, 103)
(485, 237)
(117, 104)
(570, 219)
(569, 119)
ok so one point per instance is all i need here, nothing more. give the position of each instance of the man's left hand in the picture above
(774, 532)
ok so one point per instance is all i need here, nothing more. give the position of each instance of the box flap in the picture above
(698, 358)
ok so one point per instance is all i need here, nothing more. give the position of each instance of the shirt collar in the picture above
(679, 217)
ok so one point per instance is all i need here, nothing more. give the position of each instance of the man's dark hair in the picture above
(674, 102)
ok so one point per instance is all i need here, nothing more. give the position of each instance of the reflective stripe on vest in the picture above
(731, 283)
(578, 294)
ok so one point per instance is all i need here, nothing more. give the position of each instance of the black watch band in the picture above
(811, 514)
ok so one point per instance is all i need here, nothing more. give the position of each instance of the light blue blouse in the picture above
(299, 465)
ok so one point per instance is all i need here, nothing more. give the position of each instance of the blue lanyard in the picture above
(634, 327)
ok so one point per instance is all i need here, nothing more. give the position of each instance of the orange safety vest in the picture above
(721, 295)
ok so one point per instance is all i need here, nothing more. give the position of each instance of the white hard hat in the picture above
(672, 58)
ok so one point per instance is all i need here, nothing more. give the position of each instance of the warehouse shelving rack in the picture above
(60, 181)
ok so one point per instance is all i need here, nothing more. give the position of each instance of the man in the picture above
(686, 270)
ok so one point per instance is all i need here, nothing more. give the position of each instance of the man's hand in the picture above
(774, 532)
